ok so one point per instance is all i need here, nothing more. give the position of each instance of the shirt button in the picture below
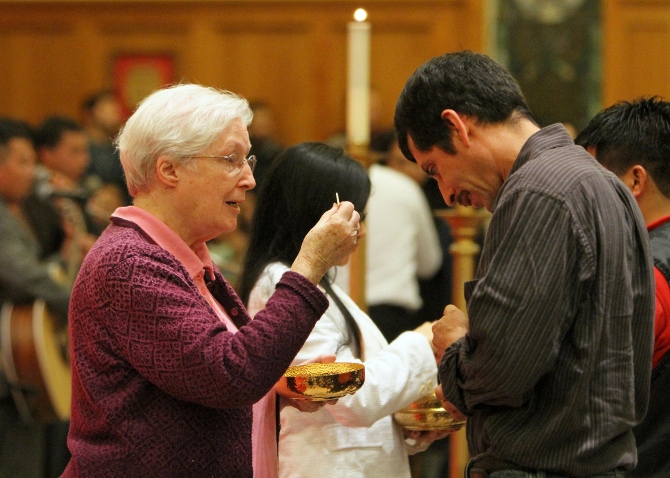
(234, 312)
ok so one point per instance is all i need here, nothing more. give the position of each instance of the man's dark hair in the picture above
(11, 128)
(469, 83)
(50, 132)
(632, 132)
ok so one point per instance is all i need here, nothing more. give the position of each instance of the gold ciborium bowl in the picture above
(321, 381)
(427, 414)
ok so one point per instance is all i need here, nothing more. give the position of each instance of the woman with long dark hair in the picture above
(357, 435)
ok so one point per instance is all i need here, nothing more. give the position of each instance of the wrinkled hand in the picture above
(329, 242)
(447, 405)
(310, 406)
(451, 327)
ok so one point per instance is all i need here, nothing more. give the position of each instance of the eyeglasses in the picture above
(234, 162)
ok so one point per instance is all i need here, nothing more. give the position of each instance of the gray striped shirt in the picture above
(555, 369)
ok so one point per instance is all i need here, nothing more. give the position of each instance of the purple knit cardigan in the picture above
(160, 387)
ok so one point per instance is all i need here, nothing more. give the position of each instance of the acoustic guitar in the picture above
(34, 348)
(35, 359)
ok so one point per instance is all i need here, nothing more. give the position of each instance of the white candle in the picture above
(358, 84)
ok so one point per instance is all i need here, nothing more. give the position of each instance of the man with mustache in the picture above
(552, 364)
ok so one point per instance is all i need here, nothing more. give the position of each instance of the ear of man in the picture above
(636, 179)
(458, 123)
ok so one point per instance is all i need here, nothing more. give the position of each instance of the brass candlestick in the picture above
(465, 223)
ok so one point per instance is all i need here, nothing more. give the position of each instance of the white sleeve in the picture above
(399, 374)
(396, 375)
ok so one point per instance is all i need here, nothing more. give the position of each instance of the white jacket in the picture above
(357, 436)
(402, 241)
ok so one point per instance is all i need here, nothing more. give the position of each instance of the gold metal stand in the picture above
(465, 223)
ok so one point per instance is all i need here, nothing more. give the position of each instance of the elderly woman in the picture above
(166, 362)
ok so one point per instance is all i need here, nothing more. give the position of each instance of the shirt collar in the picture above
(193, 260)
(658, 222)
(549, 137)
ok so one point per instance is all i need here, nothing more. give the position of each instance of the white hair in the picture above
(178, 121)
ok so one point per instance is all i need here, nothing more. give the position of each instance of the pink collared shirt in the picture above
(197, 262)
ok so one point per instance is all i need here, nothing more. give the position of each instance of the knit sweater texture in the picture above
(160, 387)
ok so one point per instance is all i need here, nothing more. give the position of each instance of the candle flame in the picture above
(360, 15)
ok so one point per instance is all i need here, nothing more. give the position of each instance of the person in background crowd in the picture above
(102, 119)
(356, 436)
(63, 155)
(433, 289)
(63, 151)
(28, 447)
(562, 303)
(166, 361)
(632, 139)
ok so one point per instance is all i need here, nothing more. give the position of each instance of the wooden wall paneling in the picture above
(399, 50)
(93, 71)
(410, 37)
(636, 49)
(291, 53)
(648, 52)
(201, 64)
(271, 62)
(459, 26)
(36, 77)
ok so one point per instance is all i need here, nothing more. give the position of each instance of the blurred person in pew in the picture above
(262, 133)
(62, 155)
(102, 118)
(30, 265)
(435, 291)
